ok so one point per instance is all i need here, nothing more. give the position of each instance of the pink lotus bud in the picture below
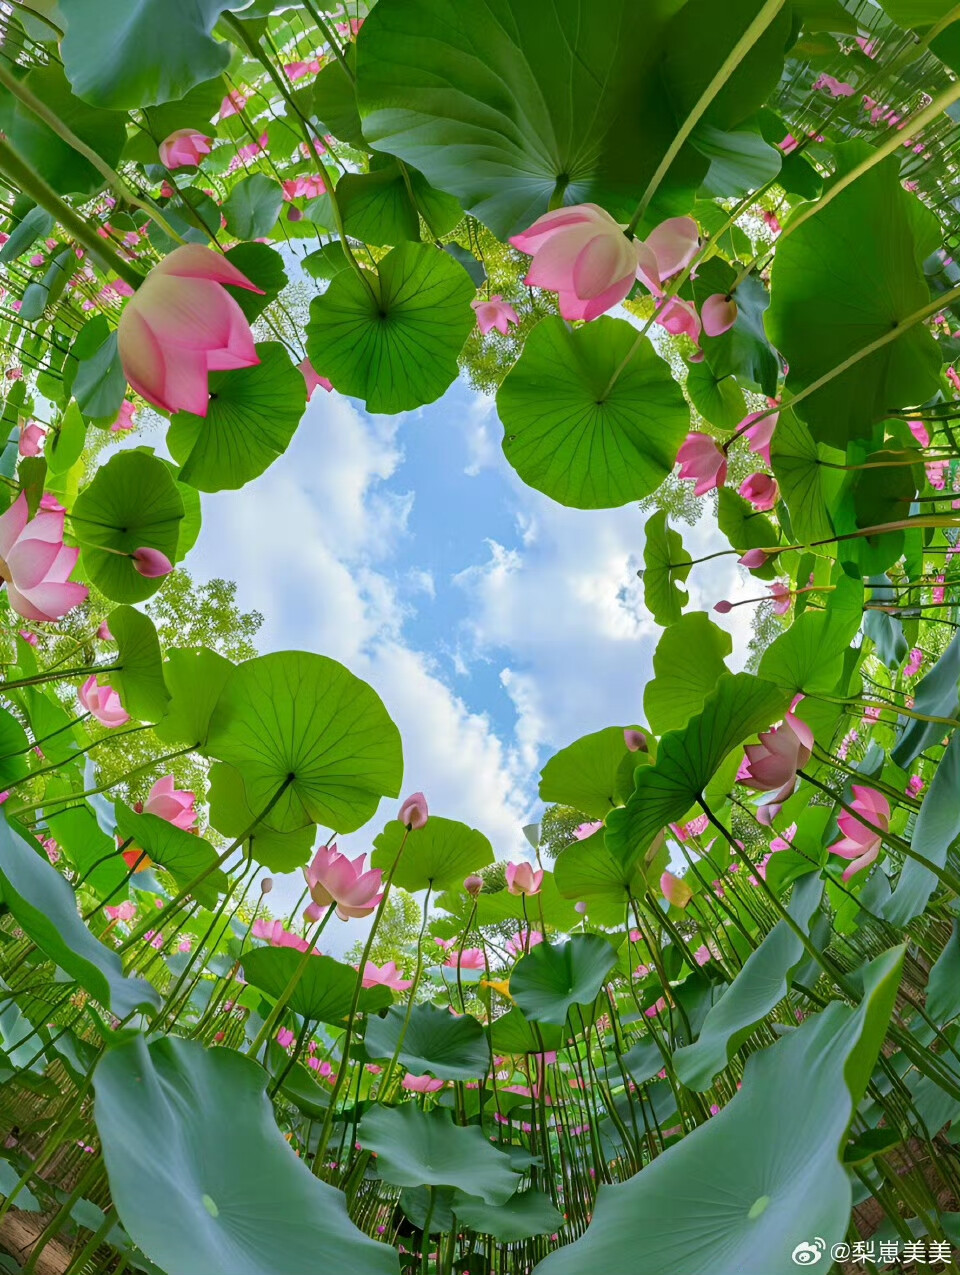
(719, 314)
(754, 558)
(723, 607)
(177, 806)
(495, 313)
(702, 461)
(582, 254)
(32, 439)
(761, 490)
(103, 632)
(680, 318)
(184, 148)
(181, 324)
(313, 912)
(312, 379)
(266, 885)
(414, 811)
(102, 702)
(580, 908)
(758, 429)
(473, 885)
(635, 740)
(676, 891)
(151, 563)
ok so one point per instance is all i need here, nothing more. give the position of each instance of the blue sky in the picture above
(496, 625)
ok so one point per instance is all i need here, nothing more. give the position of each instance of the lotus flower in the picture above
(703, 462)
(151, 563)
(102, 702)
(719, 314)
(680, 318)
(184, 148)
(582, 254)
(471, 958)
(675, 890)
(667, 250)
(772, 765)
(761, 490)
(177, 806)
(305, 367)
(859, 843)
(35, 563)
(124, 419)
(182, 324)
(333, 878)
(519, 944)
(522, 879)
(758, 429)
(125, 912)
(385, 976)
(421, 1084)
(32, 439)
(414, 811)
(277, 936)
(495, 313)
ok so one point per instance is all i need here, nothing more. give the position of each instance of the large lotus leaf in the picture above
(849, 275)
(916, 13)
(138, 677)
(395, 341)
(127, 53)
(744, 527)
(744, 350)
(425, 1148)
(14, 748)
(526, 1214)
(588, 872)
(738, 1195)
(195, 679)
(437, 856)
(221, 1192)
(665, 562)
(232, 814)
(588, 419)
(807, 487)
(449, 1047)
(325, 990)
(719, 400)
(688, 759)
(253, 206)
(686, 664)
(507, 103)
(335, 99)
(44, 905)
(936, 829)
(943, 985)
(757, 990)
(553, 978)
(884, 630)
(584, 775)
(377, 207)
(133, 503)
(512, 1033)
(935, 695)
(304, 732)
(64, 168)
(809, 656)
(252, 415)
(183, 854)
(740, 162)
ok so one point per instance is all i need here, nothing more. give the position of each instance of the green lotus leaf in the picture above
(434, 1040)
(437, 856)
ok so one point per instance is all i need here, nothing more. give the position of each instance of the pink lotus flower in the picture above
(667, 250)
(789, 144)
(495, 313)
(251, 150)
(184, 148)
(914, 786)
(102, 702)
(635, 740)
(761, 490)
(125, 912)
(182, 324)
(167, 801)
(859, 843)
(772, 221)
(297, 70)
(760, 434)
(103, 632)
(385, 976)
(421, 1084)
(675, 890)
(306, 186)
(517, 945)
(772, 765)
(232, 104)
(830, 84)
(471, 958)
(782, 597)
(784, 842)
(285, 1038)
(754, 558)
(719, 314)
(312, 379)
(582, 254)
(35, 563)
(151, 563)
(680, 318)
(333, 878)
(32, 439)
(522, 879)
(473, 885)
(702, 461)
(414, 812)
(584, 830)
(124, 419)
(868, 45)
(915, 663)
(274, 933)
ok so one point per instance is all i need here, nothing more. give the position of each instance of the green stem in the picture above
(273, 1017)
(14, 166)
(37, 678)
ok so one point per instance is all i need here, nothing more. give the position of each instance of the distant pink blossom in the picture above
(102, 702)
(312, 378)
(274, 933)
(522, 878)
(702, 461)
(758, 429)
(494, 313)
(125, 911)
(519, 943)
(761, 490)
(32, 439)
(385, 976)
(861, 844)
(718, 314)
(680, 318)
(124, 419)
(167, 801)
(421, 1084)
(184, 148)
(471, 958)
(830, 84)
(915, 663)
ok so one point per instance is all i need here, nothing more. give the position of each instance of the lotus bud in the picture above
(473, 885)
(266, 885)
(635, 740)
(675, 891)
(414, 811)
